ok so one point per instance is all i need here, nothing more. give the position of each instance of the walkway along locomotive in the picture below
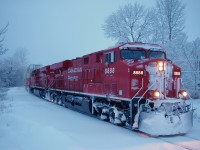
(132, 85)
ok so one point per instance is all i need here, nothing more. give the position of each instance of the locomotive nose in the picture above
(157, 70)
(151, 78)
(163, 76)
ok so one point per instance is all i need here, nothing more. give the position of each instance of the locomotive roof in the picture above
(59, 65)
(45, 68)
(141, 45)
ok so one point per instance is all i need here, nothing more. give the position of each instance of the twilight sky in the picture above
(55, 30)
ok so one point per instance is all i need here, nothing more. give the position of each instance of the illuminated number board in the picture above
(177, 73)
(138, 72)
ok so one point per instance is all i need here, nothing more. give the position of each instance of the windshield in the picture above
(132, 54)
(156, 54)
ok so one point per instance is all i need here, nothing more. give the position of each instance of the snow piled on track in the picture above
(32, 123)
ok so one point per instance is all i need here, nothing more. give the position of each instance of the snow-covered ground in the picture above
(30, 123)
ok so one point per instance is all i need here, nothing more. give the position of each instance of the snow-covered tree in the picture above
(3, 90)
(170, 19)
(186, 55)
(175, 48)
(129, 23)
(2, 32)
(7, 72)
(192, 66)
(13, 69)
(20, 60)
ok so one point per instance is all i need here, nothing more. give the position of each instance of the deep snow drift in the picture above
(30, 123)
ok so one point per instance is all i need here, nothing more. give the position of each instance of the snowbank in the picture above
(34, 124)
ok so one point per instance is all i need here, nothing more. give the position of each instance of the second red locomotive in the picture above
(132, 85)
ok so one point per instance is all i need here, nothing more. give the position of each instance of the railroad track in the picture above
(182, 141)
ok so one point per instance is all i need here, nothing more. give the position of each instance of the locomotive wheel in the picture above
(41, 94)
(104, 114)
(53, 97)
(56, 100)
(112, 117)
(59, 101)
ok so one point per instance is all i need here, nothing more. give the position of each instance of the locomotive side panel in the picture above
(93, 73)
(73, 76)
(109, 75)
(44, 74)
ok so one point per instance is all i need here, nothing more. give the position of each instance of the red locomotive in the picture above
(132, 85)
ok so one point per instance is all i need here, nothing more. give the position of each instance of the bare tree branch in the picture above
(171, 13)
(2, 38)
(129, 23)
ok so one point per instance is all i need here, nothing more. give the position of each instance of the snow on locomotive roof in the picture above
(141, 45)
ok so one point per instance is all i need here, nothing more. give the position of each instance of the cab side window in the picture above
(110, 57)
(86, 60)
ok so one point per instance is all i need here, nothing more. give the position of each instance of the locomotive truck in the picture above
(133, 85)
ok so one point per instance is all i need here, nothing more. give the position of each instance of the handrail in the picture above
(145, 93)
(50, 84)
(139, 89)
(169, 113)
(180, 107)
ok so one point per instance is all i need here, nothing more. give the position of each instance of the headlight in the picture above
(155, 94)
(161, 66)
(183, 94)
